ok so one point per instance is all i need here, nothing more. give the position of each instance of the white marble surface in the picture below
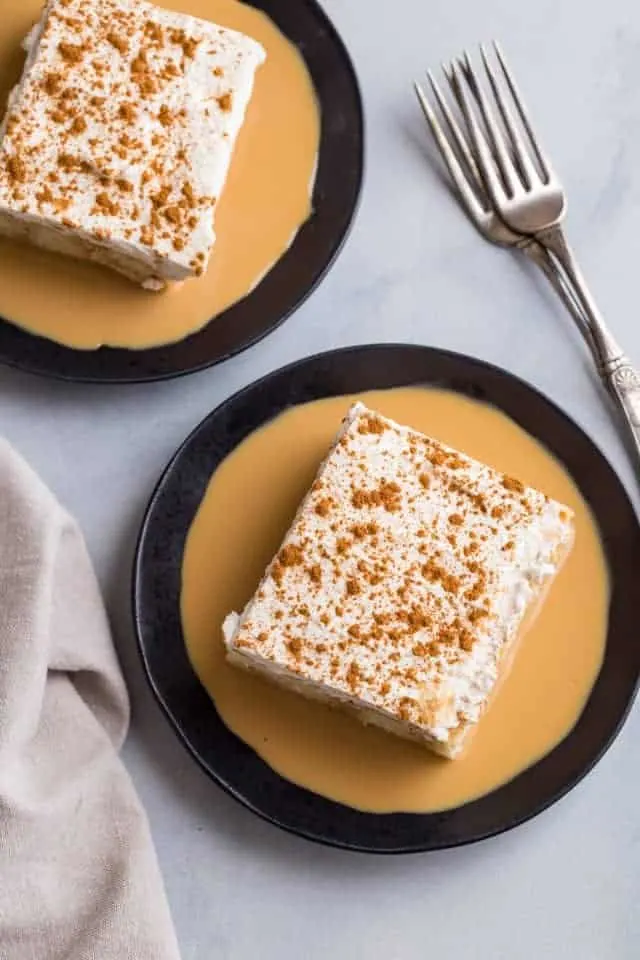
(565, 885)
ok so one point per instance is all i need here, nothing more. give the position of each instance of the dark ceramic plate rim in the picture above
(316, 818)
(291, 280)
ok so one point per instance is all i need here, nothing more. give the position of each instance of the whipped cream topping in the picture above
(121, 131)
(402, 582)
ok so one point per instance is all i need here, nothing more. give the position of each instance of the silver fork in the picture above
(528, 197)
(476, 202)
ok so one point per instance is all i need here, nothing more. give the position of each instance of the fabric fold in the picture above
(79, 878)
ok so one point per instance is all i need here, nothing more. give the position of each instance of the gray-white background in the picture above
(567, 884)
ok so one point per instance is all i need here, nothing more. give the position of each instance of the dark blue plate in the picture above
(234, 765)
(294, 276)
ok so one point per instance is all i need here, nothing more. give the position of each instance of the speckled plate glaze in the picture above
(230, 762)
(294, 276)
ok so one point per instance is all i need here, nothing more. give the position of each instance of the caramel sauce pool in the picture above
(266, 199)
(247, 509)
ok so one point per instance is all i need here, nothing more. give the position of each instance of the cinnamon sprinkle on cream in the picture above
(405, 602)
(95, 107)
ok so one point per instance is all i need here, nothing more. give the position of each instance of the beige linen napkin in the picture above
(78, 874)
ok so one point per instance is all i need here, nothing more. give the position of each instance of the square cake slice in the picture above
(402, 583)
(117, 140)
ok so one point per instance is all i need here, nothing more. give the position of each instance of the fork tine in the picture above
(484, 157)
(503, 160)
(461, 182)
(545, 165)
(528, 172)
(454, 129)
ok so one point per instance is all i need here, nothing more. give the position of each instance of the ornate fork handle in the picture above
(618, 374)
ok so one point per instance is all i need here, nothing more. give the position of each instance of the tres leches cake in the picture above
(117, 140)
(402, 583)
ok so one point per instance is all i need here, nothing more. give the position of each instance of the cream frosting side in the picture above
(306, 687)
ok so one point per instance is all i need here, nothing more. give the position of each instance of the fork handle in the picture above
(618, 374)
(545, 261)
